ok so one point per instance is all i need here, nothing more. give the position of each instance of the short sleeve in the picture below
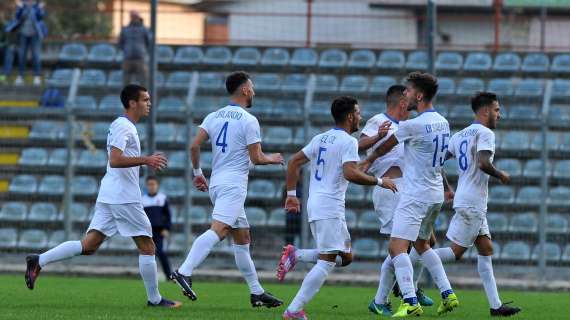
(371, 127)
(350, 152)
(486, 141)
(206, 124)
(405, 131)
(252, 132)
(308, 150)
(119, 136)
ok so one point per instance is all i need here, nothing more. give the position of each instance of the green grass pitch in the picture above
(57, 297)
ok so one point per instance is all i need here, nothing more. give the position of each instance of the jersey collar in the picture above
(124, 116)
(234, 105)
(390, 118)
(428, 110)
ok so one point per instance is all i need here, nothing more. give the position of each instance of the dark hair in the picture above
(482, 99)
(131, 92)
(149, 178)
(394, 94)
(236, 80)
(424, 82)
(341, 107)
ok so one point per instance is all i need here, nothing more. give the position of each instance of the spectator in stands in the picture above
(156, 207)
(134, 41)
(29, 25)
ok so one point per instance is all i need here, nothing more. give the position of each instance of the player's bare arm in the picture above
(382, 149)
(157, 161)
(448, 191)
(259, 158)
(487, 166)
(365, 142)
(353, 174)
(293, 173)
(199, 181)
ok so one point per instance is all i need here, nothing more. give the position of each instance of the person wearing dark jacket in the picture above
(134, 41)
(156, 207)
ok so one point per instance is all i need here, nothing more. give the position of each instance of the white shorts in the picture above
(385, 202)
(229, 202)
(414, 219)
(129, 219)
(331, 235)
(466, 225)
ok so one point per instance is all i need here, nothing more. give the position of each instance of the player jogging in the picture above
(119, 203)
(333, 157)
(235, 137)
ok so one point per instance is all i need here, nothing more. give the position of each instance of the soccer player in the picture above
(474, 149)
(119, 205)
(333, 157)
(425, 140)
(390, 165)
(235, 137)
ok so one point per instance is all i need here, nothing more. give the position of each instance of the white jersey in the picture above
(425, 140)
(472, 187)
(231, 129)
(395, 157)
(327, 153)
(121, 185)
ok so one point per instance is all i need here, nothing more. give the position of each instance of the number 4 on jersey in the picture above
(222, 136)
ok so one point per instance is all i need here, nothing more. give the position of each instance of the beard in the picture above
(249, 103)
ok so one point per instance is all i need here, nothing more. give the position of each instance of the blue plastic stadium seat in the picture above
(502, 87)
(177, 160)
(206, 160)
(43, 211)
(120, 243)
(497, 222)
(533, 168)
(350, 218)
(73, 52)
(262, 189)
(100, 131)
(417, 60)
(501, 195)
(278, 135)
(560, 196)
(333, 58)
(58, 157)
(60, 78)
(564, 142)
(516, 250)
(566, 254)
(524, 113)
(512, 166)
(391, 59)
(13, 211)
(205, 104)
(92, 159)
(264, 107)
(304, 57)
(451, 61)
(515, 140)
(79, 212)
(8, 238)
(368, 220)
(115, 79)
(295, 83)
(524, 222)
(217, 56)
(461, 112)
(85, 103)
(211, 81)
(277, 218)
(559, 115)
(551, 141)
(165, 132)
(197, 215)
(111, 103)
(535, 62)
(23, 184)
(326, 83)
(33, 157)
(47, 130)
(561, 169)
(354, 84)
(561, 88)
(84, 185)
(288, 108)
(552, 252)
(92, 78)
(178, 80)
(362, 59)
(355, 192)
(246, 56)
(275, 57)
(188, 55)
(256, 216)
(478, 61)
(529, 88)
(561, 63)
(366, 248)
(164, 54)
(528, 195)
(556, 223)
(451, 167)
(468, 86)
(446, 86)
(507, 62)
(102, 52)
(270, 82)
(171, 103)
(33, 239)
(380, 85)
(320, 109)
(173, 187)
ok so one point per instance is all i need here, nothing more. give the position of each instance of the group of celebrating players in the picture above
(404, 156)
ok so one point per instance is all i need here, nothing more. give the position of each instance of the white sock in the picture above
(63, 251)
(148, 270)
(199, 251)
(404, 274)
(307, 255)
(415, 258)
(247, 268)
(445, 254)
(432, 262)
(485, 268)
(386, 283)
(312, 283)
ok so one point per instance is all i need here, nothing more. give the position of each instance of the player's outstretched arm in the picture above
(157, 161)
(448, 191)
(354, 175)
(365, 142)
(487, 166)
(200, 181)
(259, 158)
(293, 172)
(382, 149)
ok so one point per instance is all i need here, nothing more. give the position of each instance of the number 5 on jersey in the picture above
(221, 139)
(320, 161)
